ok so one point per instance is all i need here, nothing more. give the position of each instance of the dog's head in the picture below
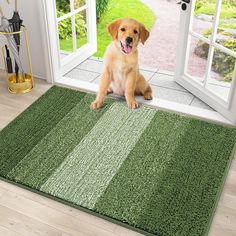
(128, 33)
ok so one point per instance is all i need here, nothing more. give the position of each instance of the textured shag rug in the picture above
(154, 171)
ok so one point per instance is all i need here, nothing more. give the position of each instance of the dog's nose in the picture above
(129, 40)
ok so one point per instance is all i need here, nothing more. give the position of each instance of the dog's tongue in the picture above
(128, 49)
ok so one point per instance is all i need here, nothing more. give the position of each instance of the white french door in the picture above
(205, 66)
(72, 33)
(206, 57)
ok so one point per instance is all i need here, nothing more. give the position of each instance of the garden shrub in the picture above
(62, 6)
(101, 8)
(228, 8)
(222, 62)
(64, 27)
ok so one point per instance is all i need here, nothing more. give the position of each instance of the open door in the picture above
(71, 26)
(206, 59)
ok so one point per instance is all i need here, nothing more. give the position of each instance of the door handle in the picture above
(184, 4)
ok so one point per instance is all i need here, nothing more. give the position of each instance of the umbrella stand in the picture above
(27, 84)
(6, 28)
(16, 23)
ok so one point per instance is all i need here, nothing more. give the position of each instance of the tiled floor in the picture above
(161, 82)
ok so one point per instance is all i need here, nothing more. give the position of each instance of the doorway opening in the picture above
(189, 57)
(156, 57)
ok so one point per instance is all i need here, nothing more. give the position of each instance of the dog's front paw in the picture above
(95, 105)
(132, 104)
(148, 96)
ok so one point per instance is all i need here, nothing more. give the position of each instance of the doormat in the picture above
(155, 172)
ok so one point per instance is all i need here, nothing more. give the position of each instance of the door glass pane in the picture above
(197, 59)
(79, 3)
(65, 37)
(221, 74)
(226, 32)
(81, 29)
(203, 17)
(63, 7)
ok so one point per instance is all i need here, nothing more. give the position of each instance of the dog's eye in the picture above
(135, 31)
(122, 29)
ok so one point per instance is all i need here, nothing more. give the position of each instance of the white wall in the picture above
(31, 13)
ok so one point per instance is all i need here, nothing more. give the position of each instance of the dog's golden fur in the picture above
(121, 69)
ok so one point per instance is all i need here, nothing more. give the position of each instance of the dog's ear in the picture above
(113, 29)
(144, 34)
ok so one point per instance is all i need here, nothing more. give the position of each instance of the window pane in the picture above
(221, 74)
(197, 61)
(223, 66)
(79, 3)
(226, 32)
(81, 29)
(63, 7)
(65, 36)
(203, 17)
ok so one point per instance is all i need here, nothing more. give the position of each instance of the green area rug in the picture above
(157, 172)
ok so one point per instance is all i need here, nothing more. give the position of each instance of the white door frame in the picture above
(54, 75)
(226, 108)
(60, 67)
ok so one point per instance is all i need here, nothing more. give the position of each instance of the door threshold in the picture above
(195, 112)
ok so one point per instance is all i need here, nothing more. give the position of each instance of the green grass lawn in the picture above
(228, 10)
(67, 45)
(116, 9)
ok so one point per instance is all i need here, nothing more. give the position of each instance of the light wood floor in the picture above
(25, 213)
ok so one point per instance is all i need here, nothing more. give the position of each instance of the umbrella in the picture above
(5, 27)
(16, 24)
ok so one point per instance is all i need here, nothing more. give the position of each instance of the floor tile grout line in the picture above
(77, 68)
(148, 80)
(154, 73)
(165, 73)
(190, 104)
(95, 78)
(151, 77)
(148, 70)
(145, 69)
(99, 59)
(167, 76)
(218, 85)
(202, 102)
(186, 92)
(98, 74)
(96, 59)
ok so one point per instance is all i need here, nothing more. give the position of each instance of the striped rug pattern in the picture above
(157, 172)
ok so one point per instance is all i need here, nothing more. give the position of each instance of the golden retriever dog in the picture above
(121, 69)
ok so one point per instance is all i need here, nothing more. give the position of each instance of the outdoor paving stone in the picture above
(147, 74)
(82, 75)
(200, 104)
(97, 80)
(166, 81)
(91, 65)
(172, 95)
